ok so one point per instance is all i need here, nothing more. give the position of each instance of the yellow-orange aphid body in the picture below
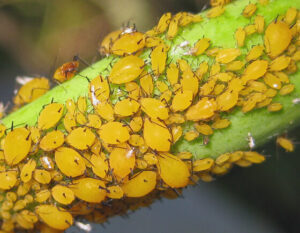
(156, 135)
(240, 36)
(8, 179)
(56, 218)
(69, 162)
(89, 190)
(32, 90)
(17, 145)
(126, 70)
(81, 138)
(274, 107)
(98, 90)
(52, 140)
(272, 81)
(105, 47)
(146, 83)
(159, 58)
(255, 70)
(154, 108)
(277, 38)
(115, 192)
(280, 63)
(253, 157)
(200, 46)
(290, 15)
(203, 109)
(285, 144)
(163, 23)
(128, 43)
(126, 107)
(173, 170)
(227, 55)
(66, 71)
(204, 129)
(287, 89)
(27, 170)
(255, 52)
(62, 194)
(259, 22)
(215, 12)
(249, 10)
(203, 164)
(227, 100)
(42, 176)
(182, 100)
(50, 115)
(140, 185)
(122, 160)
(173, 28)
(113, 133)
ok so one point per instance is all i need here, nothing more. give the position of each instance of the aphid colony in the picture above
(115, 154)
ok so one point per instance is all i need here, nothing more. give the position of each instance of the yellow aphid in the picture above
(202, 70)
(280, 63)
(158, 59)
(81, 138)
(154, 108)
(219, 88)
(249, 10)
(23, 188)
(140, 185)
(259, 23)
(2, 130)
(285, 144)
(204, 129)
(150, 158)
(292, 68)
(52, 140)
(257, 86)
(191, 135)
(29, 216)
(47, 162)
(250, 29)
(31, 91)
(136, 140)
(203, 109)
(264, 103)
(263, 2)
(69, 122)
(136, 124)
(163, 23)
(221, 170)
(146, 83)
(255, 70)
(173, 170)
(126, 70)
(189, 82)
(11, 196)
(8, 179)
(94, 121)
(20, 205)
(62, 194)
(80, 118)
(134, 90)
(278, 37)
(235, 84)
(212, 52)
(185, 155)
(17, 145)
(99, 165)
(235, 156)
(271, 92)
(235, 65)
(89, 190)
(223, 158)
(201, 46)
(221, 123)
(42, 176)
(115, 192)
(27, 170)
(122, 161)
(224, 76)
(202, 164)
(290, 15)
(81, 104)
(71, 106)
(176, 132)
(113, 133)
(173, 28)
(172, 74)
(227, 55)
(156, 135)
(227, 100)
(166, 96)
(182, 100)
(56, 218)
(255, 52)
(274, 107)
(161, 86)
(50, 115)
(69, 162)
(128, 43)
(296, 56)
(253, 157)
(215, 12)
(287, 89)
(98, 90)
(107, 42)
(141, 164)
(240, 36)
(22, 222)
(105, 110)
(272, 81)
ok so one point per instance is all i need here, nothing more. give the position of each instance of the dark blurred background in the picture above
(38, 35)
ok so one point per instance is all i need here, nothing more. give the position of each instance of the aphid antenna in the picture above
(177, 193)
(84, 77)
(193, 180)
(78, 58)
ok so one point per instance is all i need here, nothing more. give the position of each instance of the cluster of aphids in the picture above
(113, 156)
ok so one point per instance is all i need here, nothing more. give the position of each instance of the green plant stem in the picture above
(261, 124)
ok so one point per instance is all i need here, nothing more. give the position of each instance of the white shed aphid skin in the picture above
(296, 101)
(251, 141)
(83, 226)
